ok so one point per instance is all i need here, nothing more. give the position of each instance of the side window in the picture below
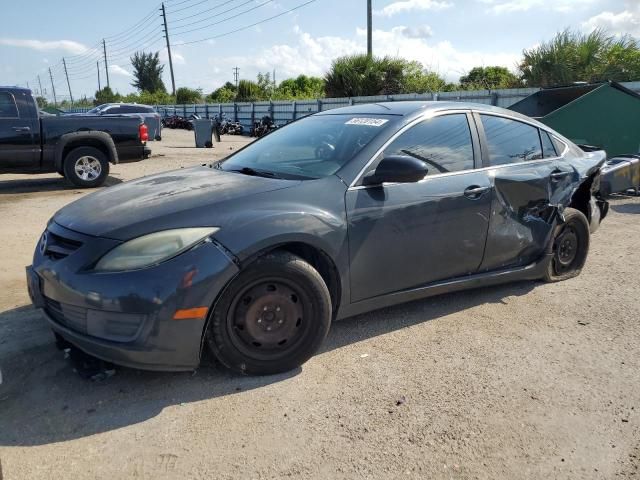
(510, 141)
(443, 143)
(560, 145)
(115, 110)
(8, 107)
(548, 150)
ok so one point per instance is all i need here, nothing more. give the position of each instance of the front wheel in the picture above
(570, 247)
(272, 318)
(86, 167)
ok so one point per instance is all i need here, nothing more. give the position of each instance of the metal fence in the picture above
(283, 112)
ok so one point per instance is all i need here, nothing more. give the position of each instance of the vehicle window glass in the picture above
(8, 108)
(112, 110)
(443, 143)
(312, 147)
(560, 146)
(548, 150)
(131, 109)
(510, 141)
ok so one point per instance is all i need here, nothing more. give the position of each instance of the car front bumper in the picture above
(128, 318)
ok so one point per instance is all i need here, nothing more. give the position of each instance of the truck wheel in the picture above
(570, 247)
(272, 318)
(86, 167)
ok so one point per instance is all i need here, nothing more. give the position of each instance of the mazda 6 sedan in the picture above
(336, 214)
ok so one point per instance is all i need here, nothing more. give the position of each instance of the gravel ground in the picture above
(527, 380)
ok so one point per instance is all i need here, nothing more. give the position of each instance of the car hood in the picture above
(181, 198)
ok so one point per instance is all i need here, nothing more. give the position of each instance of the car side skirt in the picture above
(532, 271)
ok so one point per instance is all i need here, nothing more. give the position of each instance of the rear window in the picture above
(8, 107)
(510, 141)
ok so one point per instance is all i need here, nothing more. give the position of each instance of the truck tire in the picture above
(272, 317)
(86, 167)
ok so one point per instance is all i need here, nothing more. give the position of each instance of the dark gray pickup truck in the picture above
(79, 148)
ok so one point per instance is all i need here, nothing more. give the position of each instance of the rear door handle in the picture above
(22, 129)
(558, 175)
(474, 191)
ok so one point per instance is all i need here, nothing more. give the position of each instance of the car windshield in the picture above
(313, 147)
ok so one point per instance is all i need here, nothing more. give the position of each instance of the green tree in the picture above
(266, 84)
(188, 95)
(42, 102)
(361, 75)
(148, 98)
(249, 91)
(489, 78)
(573, 56)
(147, 72)
(418, 80)
(224, 94)
(106, 95)
(301, 87)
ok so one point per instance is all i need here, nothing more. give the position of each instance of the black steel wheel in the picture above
(272, 318)
(570, 247)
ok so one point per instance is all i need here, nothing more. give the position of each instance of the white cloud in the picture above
(118, 70)
(511, 6)
(412, 5)
(313, 55)
(176, 55)
(66, 45)
(626, 22)
(422, 31)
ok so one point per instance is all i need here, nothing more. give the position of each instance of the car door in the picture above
(406, 235)
(522, 213)
(17, 142)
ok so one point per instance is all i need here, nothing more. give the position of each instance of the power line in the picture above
(224, 19)
(203, 11)
(189, 6)
(249, 26)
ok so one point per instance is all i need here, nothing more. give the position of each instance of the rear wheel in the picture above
(86, 167)
(570, 247)
(272, 318)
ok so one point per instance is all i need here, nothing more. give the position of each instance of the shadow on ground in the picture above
(629, 208)
(43, 401)
(32, 185)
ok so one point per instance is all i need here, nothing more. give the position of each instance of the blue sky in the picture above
(447, 36)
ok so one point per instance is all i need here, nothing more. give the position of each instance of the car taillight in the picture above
(143, 131)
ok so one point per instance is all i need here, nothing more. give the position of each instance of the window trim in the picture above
(13, 97)
(477, 136)
(475, 145)
(486, 161)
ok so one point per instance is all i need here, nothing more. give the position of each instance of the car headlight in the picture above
(152, 249)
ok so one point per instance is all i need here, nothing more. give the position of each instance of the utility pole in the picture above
(369, 32)
(67, 75)
(106, 66)
(98, 68)
(53, 89)
(236, 75)
(166, 36)
(40, 83)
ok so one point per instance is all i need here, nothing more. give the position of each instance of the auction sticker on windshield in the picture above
(372, 122)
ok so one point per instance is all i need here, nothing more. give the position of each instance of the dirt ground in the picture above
(528, 380)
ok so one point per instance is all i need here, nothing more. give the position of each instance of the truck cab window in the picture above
(8, 108)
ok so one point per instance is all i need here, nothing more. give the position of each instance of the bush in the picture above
(188, 95)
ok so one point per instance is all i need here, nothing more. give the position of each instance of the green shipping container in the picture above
(605, 115)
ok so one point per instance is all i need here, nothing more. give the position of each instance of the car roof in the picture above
(414, 108)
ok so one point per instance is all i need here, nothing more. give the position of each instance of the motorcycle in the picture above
(264, 126)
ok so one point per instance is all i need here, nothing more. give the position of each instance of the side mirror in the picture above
(397, 169)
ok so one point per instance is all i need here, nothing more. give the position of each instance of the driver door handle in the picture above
(21, 129)
(474, 191)
(558, 174)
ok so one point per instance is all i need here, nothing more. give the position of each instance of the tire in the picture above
(272, 317)
(86, 167)
(570, 247)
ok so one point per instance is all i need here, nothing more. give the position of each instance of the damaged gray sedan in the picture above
(336, 214)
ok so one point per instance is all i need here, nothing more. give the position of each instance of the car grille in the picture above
(58, 247)
(67, 315)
